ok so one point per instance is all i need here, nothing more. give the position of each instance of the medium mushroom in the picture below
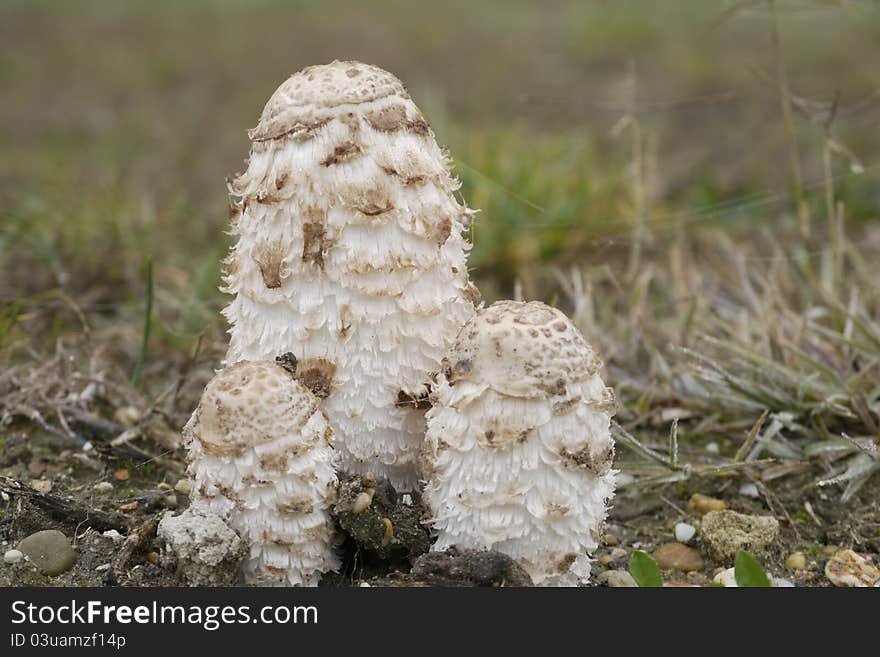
(261, 458)
(350, 254)
(518, 449)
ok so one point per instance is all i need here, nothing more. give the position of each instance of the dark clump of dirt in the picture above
(469, 568)
(385, 530)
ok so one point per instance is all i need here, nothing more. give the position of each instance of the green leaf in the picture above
(748, 571)
(644, 570)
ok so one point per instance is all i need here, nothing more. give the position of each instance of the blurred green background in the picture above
(576, 127)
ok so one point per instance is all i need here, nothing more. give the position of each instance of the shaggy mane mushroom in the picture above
(350, 254)
(518, 450)
(261, 458)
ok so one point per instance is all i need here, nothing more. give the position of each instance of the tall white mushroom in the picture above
(518, 449)
(260, 456)
(351, 255)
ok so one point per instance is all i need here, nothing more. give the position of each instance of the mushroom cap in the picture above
(317, 92)
(248, 404)
(521, 349)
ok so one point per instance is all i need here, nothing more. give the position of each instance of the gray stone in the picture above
(616, 579)
(724, 533)
(50, 551)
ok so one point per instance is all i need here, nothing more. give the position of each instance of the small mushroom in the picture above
(351, 255)
(518, 450)
(260, 456)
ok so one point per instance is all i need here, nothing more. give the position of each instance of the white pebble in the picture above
(103, 487)
(13, 556)
(684, 532)
(618, 554)
(407, 499)
(713, 448)
(749, 490)
(781, 583)
(102, 567)
(727, 578)
(113, 535)
(42, 485)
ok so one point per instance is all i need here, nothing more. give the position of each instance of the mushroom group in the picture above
(352, 316)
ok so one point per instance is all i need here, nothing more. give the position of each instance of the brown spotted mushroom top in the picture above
(316, 93)
(247, 404)
(521, 349)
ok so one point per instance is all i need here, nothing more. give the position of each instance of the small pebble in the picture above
(781, 583)
(703, 504)
(131, 506)
(728, 579)
(121, 475)
(13, 556)
(50, 551)
(113, 535)
(697, 578)
(713, 448)
(164, 486)
(42, 485)
(675, 556)
(684, 532)
(127, 416)
(847, 568)
(610, 540)
(102, 567)
(182, 487)
(605, 560)
(618, 554)
(749, 490)
(796, 561)
(102, 488)
(153, 557)
(36, 467)
(170, 501)
(616, 579)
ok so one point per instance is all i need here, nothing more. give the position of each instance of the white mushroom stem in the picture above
(261, 457)
(518, 449)
(351, 256)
